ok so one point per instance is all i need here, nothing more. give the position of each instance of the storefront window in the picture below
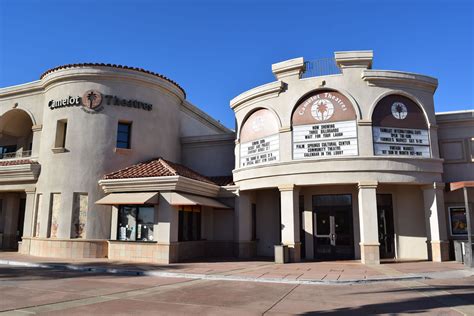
(189, 227)
(135, 223)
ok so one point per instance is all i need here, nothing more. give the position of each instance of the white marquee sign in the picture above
(401, 142)
(260, 151)
(325, 140)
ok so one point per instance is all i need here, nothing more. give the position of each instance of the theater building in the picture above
(333, 160)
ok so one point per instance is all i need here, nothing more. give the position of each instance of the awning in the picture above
(129, 198)
(188, 199)
(453, 186)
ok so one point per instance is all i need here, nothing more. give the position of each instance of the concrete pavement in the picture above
(256, 271)
(27, 290)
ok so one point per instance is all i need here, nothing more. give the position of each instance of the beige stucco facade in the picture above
(352, 164)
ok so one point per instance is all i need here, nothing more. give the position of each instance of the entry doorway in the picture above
(21, 219)
(333, 227)
(385, 226)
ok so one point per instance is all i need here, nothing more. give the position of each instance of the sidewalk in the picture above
(338, 272)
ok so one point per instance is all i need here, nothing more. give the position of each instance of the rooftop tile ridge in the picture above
(166, 164)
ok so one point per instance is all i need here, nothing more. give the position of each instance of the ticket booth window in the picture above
(135, 223)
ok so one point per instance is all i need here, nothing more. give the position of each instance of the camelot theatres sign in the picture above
(324, 126)
(93, 101)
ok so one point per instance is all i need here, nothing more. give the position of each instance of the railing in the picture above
(17, 154)
(321, 67)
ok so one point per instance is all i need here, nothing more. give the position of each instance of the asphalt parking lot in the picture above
(58, 292)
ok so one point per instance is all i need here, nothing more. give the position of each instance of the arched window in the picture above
(399, 128)
(324, 125)
(259, 139)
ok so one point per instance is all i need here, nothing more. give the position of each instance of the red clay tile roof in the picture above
(112, 66)
(17, 162)
(222, 180)
(157, 168)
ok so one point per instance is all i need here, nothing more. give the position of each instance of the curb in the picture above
(211, 277)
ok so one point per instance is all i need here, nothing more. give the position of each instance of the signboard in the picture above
(260, 151)
(91, 102)
(324, 125)
(400, 129)
(260, 140)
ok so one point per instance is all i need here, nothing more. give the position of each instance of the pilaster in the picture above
(438, 245)
(290, 221)
(369, 241)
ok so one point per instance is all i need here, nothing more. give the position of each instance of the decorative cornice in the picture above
(285, 129)
(287, 68)
(228, 138)
(354, 59)
(364, 122)
(399, 78)
(367, 185)
(287, 187)
(103, 65)
(271, 89)
(37, 128)
(170, 183)
(23, 172)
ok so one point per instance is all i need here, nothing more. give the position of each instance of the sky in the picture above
(218, 49)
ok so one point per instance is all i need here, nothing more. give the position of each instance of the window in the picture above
(457, 220)
(5, 149)
(135, 223)
(61, 129)
(123, 135)
(189, 227)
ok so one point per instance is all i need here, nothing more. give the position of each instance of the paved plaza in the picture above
(32, 285)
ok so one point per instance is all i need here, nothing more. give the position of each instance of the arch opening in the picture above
(16, 135)
(400, 128)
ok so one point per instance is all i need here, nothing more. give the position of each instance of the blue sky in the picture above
(218, 49)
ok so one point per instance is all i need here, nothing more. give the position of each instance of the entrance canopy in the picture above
(129, 198)
(188, 199)
(453, 186)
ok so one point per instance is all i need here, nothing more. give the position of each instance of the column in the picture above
(308, 226)
(166, 231)
(245, 247)
(290, 221)
(36, 140)
(438, 245)
(369, 238)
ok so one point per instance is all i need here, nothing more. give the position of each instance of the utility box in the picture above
(468, 251)
(281, 254)
(458, 250)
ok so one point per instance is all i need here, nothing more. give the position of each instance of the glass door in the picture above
(385, 226)
(333, 230)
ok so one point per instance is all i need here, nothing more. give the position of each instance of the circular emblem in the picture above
(322, 110)
(257, 124)
(92, 99)
(399, 110)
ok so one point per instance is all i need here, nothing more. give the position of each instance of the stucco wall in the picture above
(211, 155)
